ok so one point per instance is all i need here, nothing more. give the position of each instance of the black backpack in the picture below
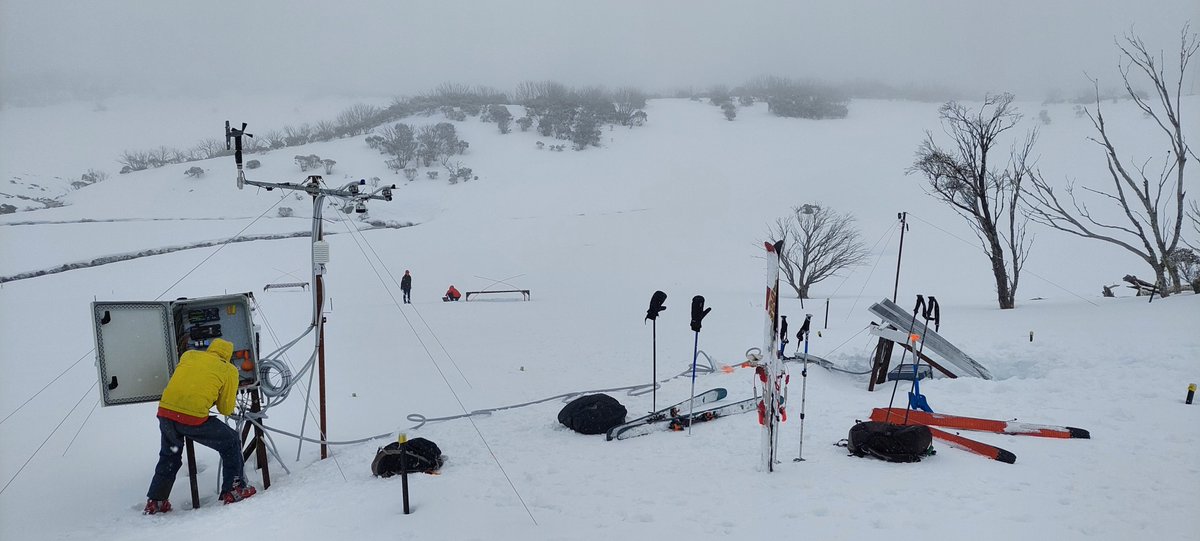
(886, 441)
(419, 455)
(592, 414)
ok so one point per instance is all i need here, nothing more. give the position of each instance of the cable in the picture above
(868, 280)
(397, 303)
(1023, 269)
(887, 232)
(81, 425)
(221, 247)
(47, 386)
(48, 436)
(632, 390)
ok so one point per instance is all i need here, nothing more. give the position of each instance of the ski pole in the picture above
(916, 309)
(698, 313)
(803, 335)
(915, 398)
(656, 306)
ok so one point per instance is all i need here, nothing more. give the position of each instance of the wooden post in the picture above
(191, 463)
(880, 362)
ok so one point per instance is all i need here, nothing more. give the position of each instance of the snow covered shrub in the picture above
(253, 164)
(194, 172)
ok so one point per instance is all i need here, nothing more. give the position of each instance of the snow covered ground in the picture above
(680, 205)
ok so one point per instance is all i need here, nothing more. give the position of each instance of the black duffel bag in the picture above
(592, 414)
(417, 455)
(886, 441)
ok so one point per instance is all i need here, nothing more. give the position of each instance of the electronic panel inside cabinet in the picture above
(198, 321)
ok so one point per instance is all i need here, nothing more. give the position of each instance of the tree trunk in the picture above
(1004, 295)
(1176, 280)
(802, 291)
(1161, 285)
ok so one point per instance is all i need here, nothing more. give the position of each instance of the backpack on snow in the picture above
(419, 455)
(886, 441)
(592, 414)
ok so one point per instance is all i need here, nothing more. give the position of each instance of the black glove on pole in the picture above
(782, 335)
(698, 313)
(656, 306)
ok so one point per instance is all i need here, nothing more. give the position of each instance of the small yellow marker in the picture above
(1191, 393)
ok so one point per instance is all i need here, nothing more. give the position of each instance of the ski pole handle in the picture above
(697, 312)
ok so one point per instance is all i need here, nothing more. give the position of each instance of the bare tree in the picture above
(1152, 202)
(820, 242)
(968, 181)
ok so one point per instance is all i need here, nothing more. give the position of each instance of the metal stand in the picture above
(256, 443)
(351, 192)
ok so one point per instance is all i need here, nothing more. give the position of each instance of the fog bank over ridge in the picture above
(376, 48)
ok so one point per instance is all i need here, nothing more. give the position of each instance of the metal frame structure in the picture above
(351, 193)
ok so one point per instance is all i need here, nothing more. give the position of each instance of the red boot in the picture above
(239, 492)
(155, 506)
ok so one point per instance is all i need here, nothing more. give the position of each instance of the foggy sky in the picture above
(404, 47)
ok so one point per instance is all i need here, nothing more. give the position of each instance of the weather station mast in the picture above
(351, 192)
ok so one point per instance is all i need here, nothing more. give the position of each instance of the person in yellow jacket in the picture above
(201, 380)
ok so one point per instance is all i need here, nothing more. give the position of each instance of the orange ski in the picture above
(897, 416)
(977, 447)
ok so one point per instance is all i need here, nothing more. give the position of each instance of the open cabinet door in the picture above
(135, 350)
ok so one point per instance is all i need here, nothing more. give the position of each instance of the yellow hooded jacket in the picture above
(202, 379)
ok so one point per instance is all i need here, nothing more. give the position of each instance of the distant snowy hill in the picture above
(681, 204)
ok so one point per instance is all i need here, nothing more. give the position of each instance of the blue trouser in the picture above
(212, 434)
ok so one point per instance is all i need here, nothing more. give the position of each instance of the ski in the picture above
(980, 425)
(977, 447)
(680, 421)
(711, 395)
(770, 370)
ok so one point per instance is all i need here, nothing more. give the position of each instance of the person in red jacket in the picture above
(202, 379)
(452, 294)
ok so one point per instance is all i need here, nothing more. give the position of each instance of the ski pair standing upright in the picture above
(770, 373)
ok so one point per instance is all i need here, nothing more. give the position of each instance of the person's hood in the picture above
(222, 348)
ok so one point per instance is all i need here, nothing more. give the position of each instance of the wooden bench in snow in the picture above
(524, 293)
(301, 285)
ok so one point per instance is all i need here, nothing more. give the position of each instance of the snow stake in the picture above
(402, 439)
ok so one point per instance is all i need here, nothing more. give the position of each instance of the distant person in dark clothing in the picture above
(406, 287)
(452, 294)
